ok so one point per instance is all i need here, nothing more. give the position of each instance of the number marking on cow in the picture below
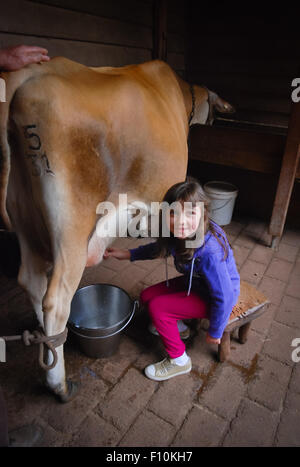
(39, 161)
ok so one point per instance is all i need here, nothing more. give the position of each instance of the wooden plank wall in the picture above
(248, 150)
(176, 29)
(92, 32)
(247, 56)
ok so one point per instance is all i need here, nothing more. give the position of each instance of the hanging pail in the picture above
(222, 196)
(99, 313)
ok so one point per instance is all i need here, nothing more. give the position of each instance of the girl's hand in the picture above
(118, 253)
(212, 340)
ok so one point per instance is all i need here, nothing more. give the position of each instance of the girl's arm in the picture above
(149, 251)
(119, 253)
(221, 293)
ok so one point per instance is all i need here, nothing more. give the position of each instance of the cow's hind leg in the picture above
(32, 277)
(69, 264)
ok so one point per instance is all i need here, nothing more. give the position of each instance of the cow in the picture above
(71, 137)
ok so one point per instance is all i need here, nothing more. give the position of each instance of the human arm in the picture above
(143, 252)
(14, 58)
(212, 340)
(221, 296)
(118, 253)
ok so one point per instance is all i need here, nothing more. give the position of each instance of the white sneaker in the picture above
(167, 369)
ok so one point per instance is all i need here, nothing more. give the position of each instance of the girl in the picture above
(209, 286)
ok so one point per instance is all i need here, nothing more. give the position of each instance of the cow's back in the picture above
(134, 116)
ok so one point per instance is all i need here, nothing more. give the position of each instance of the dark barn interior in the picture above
(249, 56)
(251, 60)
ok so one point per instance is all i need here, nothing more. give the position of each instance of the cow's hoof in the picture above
(72, 389)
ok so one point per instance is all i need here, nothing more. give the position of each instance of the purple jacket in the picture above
(215, 279)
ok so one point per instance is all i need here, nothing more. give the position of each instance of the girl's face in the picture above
(184, 220)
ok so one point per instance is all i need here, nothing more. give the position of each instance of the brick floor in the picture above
(167, 397)
(287, 252)
(288, 433)
(261, 254)
(289, 312)
(149, 430)
(278, 343)
(253, 399)
(223, 402)
(254, 425)
(252, 271)
(201, 428)
(279, 269)
(268, 387)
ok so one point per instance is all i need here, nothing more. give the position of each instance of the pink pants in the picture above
(166, 305)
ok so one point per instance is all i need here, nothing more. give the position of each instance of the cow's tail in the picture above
(13, 81)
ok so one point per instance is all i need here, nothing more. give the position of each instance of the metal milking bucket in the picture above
(99, 313)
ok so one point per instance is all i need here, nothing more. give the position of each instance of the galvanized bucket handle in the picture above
(119, 330)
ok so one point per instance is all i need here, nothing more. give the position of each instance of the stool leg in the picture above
(243, 332)
(224, 347)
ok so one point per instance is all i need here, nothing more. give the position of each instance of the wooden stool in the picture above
(251, 305)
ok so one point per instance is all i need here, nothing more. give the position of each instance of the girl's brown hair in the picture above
(188, 191)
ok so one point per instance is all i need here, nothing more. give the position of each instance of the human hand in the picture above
(14, 58)
(118, 253)
(212, 340)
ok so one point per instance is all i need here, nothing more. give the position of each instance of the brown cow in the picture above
(71, 137)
